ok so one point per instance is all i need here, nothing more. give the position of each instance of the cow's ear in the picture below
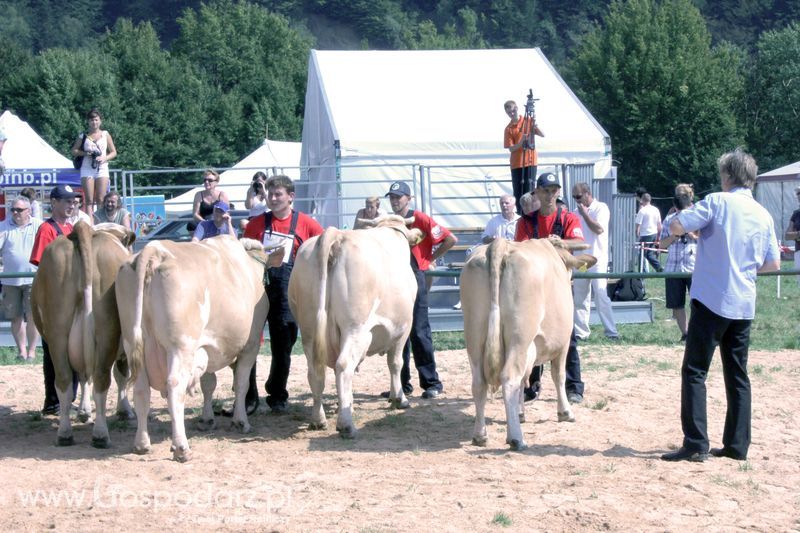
(275, 257)
(128, 239)
(586, 261)
(415, 236)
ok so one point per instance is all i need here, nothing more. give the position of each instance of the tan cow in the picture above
(352, 294)
(517, 308)
(75, 308)
(193, 308)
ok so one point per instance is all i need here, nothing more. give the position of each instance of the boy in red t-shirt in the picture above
(420, 341)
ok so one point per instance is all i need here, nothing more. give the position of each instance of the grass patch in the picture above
(599, 405)
(502, 519)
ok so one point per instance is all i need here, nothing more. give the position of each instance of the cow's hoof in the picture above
(65, 441)
(347, 433)
(317, 425)
(480, 440)
(517, 445)
(242, 427)
(566, 417)
(101, 443)
(397, 404)
(182, 455)
(141, 450)
(83, 416)
(205, 425)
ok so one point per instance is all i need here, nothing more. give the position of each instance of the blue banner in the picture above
(40, 177)
(147, 213)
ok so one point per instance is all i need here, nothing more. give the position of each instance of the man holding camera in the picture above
(682, 251)
(518, 138)
(793, 233)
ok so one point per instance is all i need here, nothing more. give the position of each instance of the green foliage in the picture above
(774, 98)
(667, 99)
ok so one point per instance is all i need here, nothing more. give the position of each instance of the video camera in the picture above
(530, 105)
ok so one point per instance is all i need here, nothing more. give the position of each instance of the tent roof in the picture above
(24, 149)
(444, 100)
(272, 157)
(789, 172)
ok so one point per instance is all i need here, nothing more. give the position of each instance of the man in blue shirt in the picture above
(737, 239)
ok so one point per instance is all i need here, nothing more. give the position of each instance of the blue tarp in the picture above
(40, 177)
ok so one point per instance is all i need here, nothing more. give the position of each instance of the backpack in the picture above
(629, 290)
(77, 161)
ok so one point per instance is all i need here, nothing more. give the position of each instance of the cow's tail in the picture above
(493, 349)
(82, 235)
(143, 265)
(325, 245)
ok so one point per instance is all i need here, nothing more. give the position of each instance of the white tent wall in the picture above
(441, 111)
(778, 198)
(24, 149)
(272, 157)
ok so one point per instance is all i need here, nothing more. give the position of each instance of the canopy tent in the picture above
(435, 118)
(775, 191)
(272, 157)
(29, 160)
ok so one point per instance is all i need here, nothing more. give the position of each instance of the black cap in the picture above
(63, 192)
(548, 179)
(399, 188)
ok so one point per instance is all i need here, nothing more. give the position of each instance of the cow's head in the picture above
(396, 222)
(271, 257)
(125, 236)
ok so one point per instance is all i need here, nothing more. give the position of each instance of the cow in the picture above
(74, 306)
(517, 308)
(352, 293)
(191, 309)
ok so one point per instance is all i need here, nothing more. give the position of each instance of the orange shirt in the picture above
(512, 135)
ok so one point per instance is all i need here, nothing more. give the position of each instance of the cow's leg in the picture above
(64, 426)
(316, 380)
(177, 382)
(511, 398)
(124, 410)
(479, 390)
(141, 402)
(241, 384)
(100, 438)
(353, 349)
(559, 374)
(395, 361)
(208, 382)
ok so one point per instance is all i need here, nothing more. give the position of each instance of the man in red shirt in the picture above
(281, 223)
(518, 139)
(556, 223)
(420, 342)
(62, 204)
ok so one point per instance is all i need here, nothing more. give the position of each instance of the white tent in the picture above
(775, 191)
(29, 160)
(435, 118)
(272, 157)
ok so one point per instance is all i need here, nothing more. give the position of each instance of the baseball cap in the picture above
(222, 205)
(63, 192)
(399, 188)
(548, 179)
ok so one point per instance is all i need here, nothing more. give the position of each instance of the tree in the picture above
(668, 101)
(774, 98)
(256, 59)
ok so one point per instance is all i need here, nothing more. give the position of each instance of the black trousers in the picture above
(420, 342)
(282, 335)
(706, 331)
(49, 371)
(521, 182)
(573, 382)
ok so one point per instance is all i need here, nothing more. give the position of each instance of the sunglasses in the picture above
(209, 181)
(18, 209)
(578, 197)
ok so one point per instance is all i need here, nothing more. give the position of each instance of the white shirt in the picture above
(648, 219)
(498, 227)
(16, 244)
(598, 244)
(80, 215)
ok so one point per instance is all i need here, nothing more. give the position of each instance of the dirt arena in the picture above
(417, 470)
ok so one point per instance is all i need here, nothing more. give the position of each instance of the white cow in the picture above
(191, 309)
(352, 294)
(517, 306)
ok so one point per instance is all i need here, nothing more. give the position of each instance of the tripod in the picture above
(529, 141)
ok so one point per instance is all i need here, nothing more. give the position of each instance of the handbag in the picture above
(77, 161)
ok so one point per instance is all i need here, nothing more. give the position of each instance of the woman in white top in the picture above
(97, 148)
(256, 200)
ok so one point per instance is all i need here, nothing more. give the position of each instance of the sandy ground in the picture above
(417, 470)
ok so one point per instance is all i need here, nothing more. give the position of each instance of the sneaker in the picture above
(279, 408)
(457, 306)
(574, 397)
(431, 393)
(532, 393)
(51, 409)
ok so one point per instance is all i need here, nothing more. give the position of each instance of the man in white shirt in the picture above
(17, 235)
(503, 225)
(648, 229)
(594, 216)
